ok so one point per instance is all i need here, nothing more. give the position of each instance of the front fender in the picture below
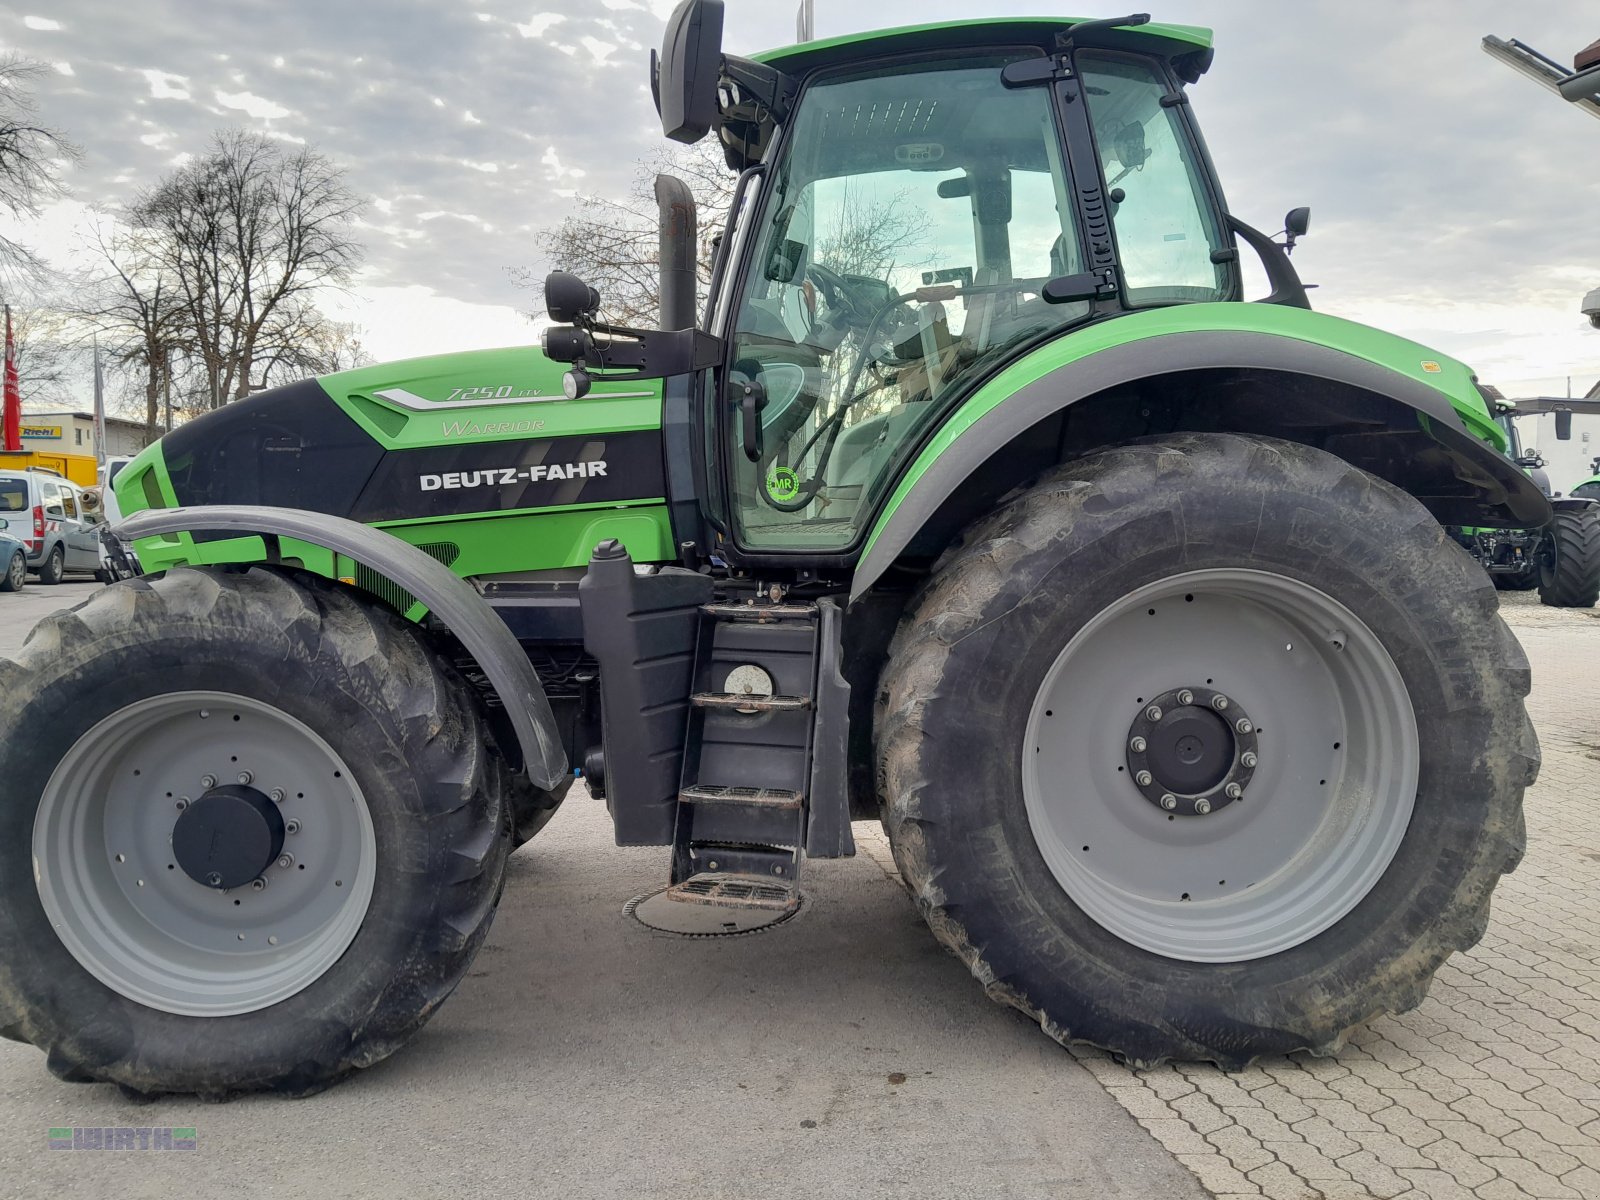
(450, 598)
(1446, 410)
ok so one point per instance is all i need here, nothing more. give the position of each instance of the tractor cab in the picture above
(916, 209)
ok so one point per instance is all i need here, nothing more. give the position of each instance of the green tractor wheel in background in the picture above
(1569, 564)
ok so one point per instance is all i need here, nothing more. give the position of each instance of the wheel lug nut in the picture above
(1243, 725)
(1248, 758)
(1169, 802)
(258, 885)
(277, 795)
(286, 861)
(1220, 703)
(1153, 712)
(1233, 791)
(292, 827)
(1137, 745)
(1144, 778)
(245, 777)
(208, 782)
(183, 803)
(1202, 807)
(1186, 697)
(214, 879)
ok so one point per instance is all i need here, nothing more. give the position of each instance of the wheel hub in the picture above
(228, 837)
(1192, 751)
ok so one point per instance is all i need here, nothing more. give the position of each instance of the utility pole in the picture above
(166, 382)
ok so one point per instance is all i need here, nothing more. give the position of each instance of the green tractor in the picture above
(1126, 605)
(1562, 558)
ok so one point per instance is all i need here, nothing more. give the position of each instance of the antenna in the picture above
(805, 22)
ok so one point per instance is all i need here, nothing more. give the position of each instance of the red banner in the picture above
(13, 392)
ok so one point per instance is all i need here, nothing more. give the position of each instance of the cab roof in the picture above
(1165, 40)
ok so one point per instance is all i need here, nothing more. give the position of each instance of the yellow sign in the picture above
(42, 431)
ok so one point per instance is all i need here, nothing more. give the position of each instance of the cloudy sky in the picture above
(1453, 200)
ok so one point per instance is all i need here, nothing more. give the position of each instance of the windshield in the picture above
(904, 238)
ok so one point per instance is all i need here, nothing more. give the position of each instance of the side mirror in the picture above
(1563, 424)
(686, 75)
(569, 299)
(1296, 223)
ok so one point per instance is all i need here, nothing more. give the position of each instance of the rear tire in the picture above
(972, 697)
(15, 577)
(1569, 577)
(531, 808)
(342, 710)
(54, 567)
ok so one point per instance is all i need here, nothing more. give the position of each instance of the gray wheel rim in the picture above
(109, 882)
(1320, 820)
(19, 570)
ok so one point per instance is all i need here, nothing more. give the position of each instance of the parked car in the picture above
(61, 537)
(13, 559)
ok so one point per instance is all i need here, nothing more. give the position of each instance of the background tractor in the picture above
(1125, 604)
(1561, 559)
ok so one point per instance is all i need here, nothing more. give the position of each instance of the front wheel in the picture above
(16, 573)
(1569, 570)
(253, 832)
(1206, 748)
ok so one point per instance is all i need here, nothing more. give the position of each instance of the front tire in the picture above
(16, 573)
(132, 959)
(1176, 571)
(1569, 574)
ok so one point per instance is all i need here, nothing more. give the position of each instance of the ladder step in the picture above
(736, 891)
(761, 614)
(707, 793)
(746, 703)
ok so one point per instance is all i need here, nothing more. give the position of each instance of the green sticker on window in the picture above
(783, 484)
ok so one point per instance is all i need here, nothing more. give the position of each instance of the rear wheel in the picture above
(53, 568)
(15, 577)
(252, 835)
(1205, 748)
(1569, 573)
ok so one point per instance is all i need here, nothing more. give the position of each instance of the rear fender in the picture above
(451, 599)
(1367, 397)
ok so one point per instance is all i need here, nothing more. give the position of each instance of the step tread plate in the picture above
(762, 614)
(736, 891)
(754, 797)
(749, 703)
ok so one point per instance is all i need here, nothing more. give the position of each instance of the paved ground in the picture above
(587, 1057)
(20, 611)
(1491, 1089)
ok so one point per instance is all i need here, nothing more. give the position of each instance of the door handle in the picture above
(751, 398)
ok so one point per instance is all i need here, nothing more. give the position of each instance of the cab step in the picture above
(749, 703)
(736, 891)
(761, 613)
(755, 797)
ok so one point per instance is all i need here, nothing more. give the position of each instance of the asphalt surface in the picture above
(841, 1054)
(21, 611)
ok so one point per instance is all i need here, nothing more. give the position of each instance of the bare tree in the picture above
(614, 244)
(32, 157)
(132, 305)
(47, 354)
(246, 235)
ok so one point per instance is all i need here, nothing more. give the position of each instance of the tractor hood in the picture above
(446, 436)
